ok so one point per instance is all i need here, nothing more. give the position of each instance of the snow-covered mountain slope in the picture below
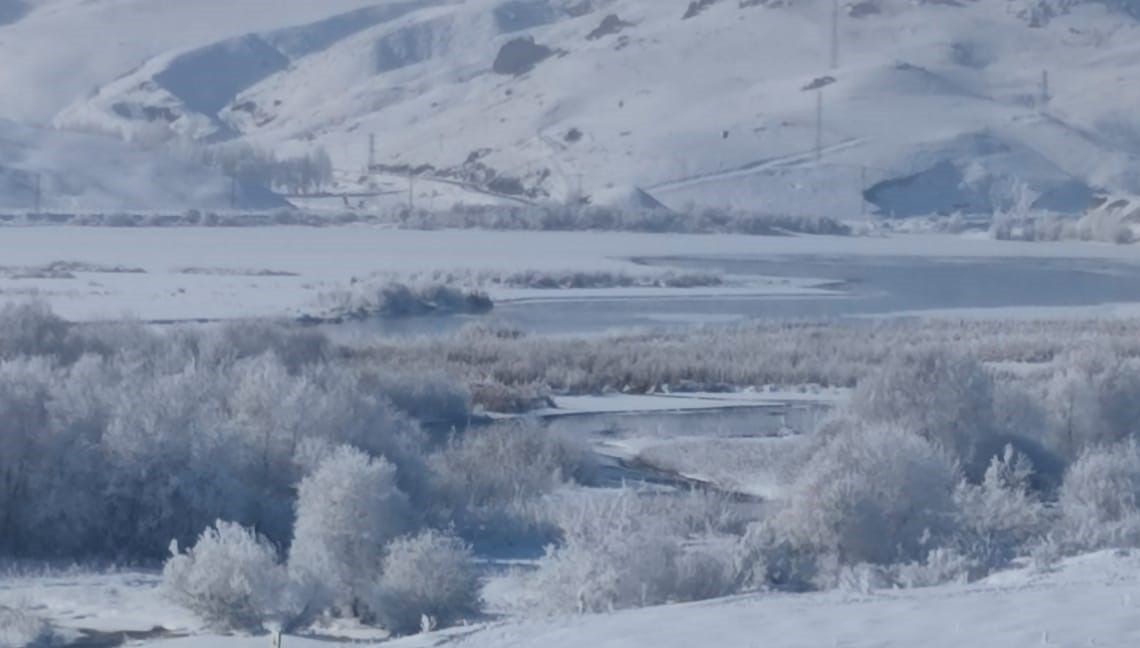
(929, 106)
(58, 51)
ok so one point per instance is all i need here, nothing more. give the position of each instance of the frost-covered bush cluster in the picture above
(581, 217)
(566, 279)
(927, 475)
(396, 300)
(499, 504)
(546, 217)
(231, 577)
(756, 354)
(300, 479)
(1104, 226)
(426, 581)
(350, 556)
(625, 549)
(348, 508)
(118, 438)
(308, 466)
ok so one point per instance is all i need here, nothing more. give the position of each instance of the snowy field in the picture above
(1091, 600)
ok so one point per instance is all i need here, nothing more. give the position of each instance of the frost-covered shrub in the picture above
(429, 396)
(1092, 399)
(578, 217)
(394, 299)
(347, 510)
(487, 480)
(1017, 412)
(494, 396)
(151, 435)
(707, 570)
(172, 468)
(1003, 515)
(1100, 498)
(946, 399)
(231, 578)
(942, 565)
(32, 329)
(20, 629)
(295, 347)
(399, 300)
(602, 574)
(427, 575)
(770, 559)
(527, 460)
(878, 494)
(25, 448)
(624, 550)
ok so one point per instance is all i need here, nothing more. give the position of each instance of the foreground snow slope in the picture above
(932, 106)
(1091, 600)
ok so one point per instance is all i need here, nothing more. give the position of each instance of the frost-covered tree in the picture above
(174, 469)
(1000, 517)
(427, 575)
(529, 462)
(26, 448)
(945, 398)
(1100, 498)
(32, 329)
(1092, 399)
(348, 509)
(876, 494)
(231, 578)
(627, 549)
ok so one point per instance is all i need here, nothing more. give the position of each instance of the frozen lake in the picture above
(866, 286)
(175, 274)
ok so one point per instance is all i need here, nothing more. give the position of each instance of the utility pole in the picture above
(371, 151)
(233, 192)
(818, 125)
(1044, 87)
(411, 190)
(834, 34)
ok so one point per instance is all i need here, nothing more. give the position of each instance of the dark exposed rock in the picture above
(520, 56)
(611, 24)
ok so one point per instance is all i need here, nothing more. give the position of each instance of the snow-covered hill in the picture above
(929, 107)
